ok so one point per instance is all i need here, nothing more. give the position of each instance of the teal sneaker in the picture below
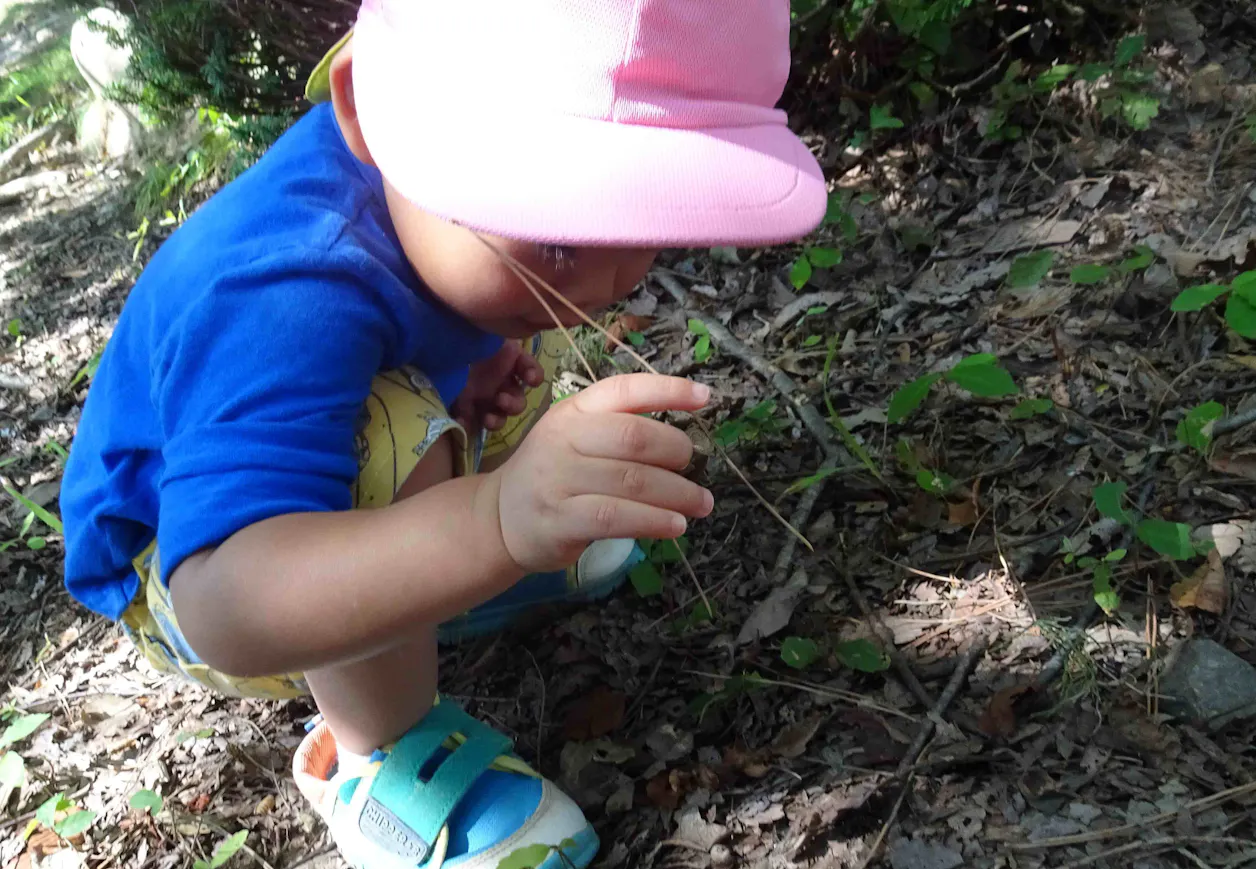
(447, 795)
(601, 570)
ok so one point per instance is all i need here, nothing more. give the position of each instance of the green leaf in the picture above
(1053, 77)
(824, 257)
(15, 327)
(669, 551)
(1129, 48)
(46, 814)
(1115, 555)
(862, 655)
(1172, 539)
(934, 482)
(982, 377)
(799, 652)
(529, 857)
(936, 36)
(924, 94)
(697, 327)
(1143, 257)
(36, 543)
(1104, 594)
(228, 848)
(836, 207)
(800, 272)
(881, 118)
(1031, 407)
(1091, 72)
(849, 228)
(1198, 298)
(1087, 275)
(146, 801)
(816, 310)
(762, 411)
(21, 727)
(1108, 497)
(200, 864)
(910, 397)
(12, 770)
(44, 516)
(1193, 428)
(646, 579)
(1245, 286)
(702, 349)
(1029, 269)
(1139, 109)
(73, 824)
(636, 339)
(809, 481)
(1240, 314)
(812, 340)
(730, 431)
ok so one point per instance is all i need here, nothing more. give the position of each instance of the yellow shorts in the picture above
(402, 418)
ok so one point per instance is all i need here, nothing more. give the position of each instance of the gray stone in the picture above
(107, 128)
(1209, 683)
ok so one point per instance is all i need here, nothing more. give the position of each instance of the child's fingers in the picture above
(645, 484)
(529, 371)
(642, 393)
(630, 438)
(601, 517)
(492, 422)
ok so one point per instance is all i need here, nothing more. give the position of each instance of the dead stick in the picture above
(782, 382)
(962, 670)
(801, 514)
(1230, 423)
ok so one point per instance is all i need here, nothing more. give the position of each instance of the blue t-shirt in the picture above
(231, 388)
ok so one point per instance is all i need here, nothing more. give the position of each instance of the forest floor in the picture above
(933, 683)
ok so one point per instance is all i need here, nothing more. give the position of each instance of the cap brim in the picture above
(318, 85)
(573, 180)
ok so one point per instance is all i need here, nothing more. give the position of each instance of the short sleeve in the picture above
(258, 393)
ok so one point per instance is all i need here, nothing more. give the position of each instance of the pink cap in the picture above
(597, 122)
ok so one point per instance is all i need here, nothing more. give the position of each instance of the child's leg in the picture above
(372, 702)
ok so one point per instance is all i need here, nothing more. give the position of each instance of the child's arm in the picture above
(301, 591)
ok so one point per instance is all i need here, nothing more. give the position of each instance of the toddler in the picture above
(318, 441)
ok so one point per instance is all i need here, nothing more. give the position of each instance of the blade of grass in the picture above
(848, 438)
(40, 513)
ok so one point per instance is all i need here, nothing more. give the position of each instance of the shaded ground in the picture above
(685, 734)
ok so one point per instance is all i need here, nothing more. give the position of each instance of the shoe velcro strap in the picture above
(405, 814)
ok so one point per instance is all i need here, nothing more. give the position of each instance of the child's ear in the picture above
(341, 80)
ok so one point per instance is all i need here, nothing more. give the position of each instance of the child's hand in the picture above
(495, 388)
(593, 469)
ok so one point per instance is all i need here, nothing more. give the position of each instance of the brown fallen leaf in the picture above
(595, 715)
(1205, 589)
(999, 718)
(963, 513)
(265, 806)
(198, 803)
(751, 763)
(792, 741)
(668, 788)
(624, 324)
(1242, 464)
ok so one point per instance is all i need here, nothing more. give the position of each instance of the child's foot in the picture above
(447, 795)
(602, 568)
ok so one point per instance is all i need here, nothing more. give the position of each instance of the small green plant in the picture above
(187, 735)
(826, 257)
(88, 370)
(226, 849)
(1028, 270)
(862, 654)
(146, 801)
(1240, 309)
(1195, 429)
(1031, 407)
(933, 481)
(647, 577)
(760, 420)
(701, 347)
(69, 825)
(733, 688)
(33, 512)
(981, 374)
(1090, 274)
(17, 728)
(1101, 574)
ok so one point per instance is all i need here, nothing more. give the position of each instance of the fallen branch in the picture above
(963, 668)
(782, 382)
(794, 309)
(799, 519)
(1230, 423)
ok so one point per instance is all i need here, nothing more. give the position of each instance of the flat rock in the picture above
(1209, 683)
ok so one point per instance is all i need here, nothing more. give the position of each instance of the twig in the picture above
(1230, 423)
(805, 302)
(799, 518)
(1155, 820)
(783, 383)
(1216, 155)
(962, 670)
(222, 831)
(885, 829)
(1163, 844)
